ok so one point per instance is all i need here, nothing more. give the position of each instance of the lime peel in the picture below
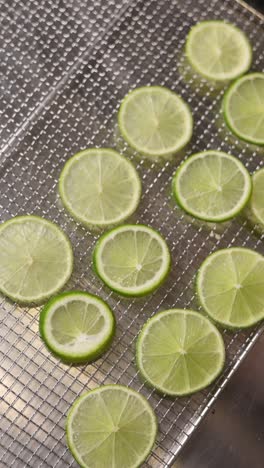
(243, 108)
(179, 352)
(36, 259)
(113, 426)
(230, 287)
(77, 326)
(218, 51)
(257, 198)
(212, 185)
(155, 121)
(132, 260)
(99, 187)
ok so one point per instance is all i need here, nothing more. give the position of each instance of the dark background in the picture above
(258, 4)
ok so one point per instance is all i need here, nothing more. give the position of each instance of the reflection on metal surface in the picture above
(63, 82)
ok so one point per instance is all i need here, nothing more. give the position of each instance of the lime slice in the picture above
(180, 352)
(217, 50)
(257, 199)
(77, 326)
(243, 107)
(230, 286)
(132, 260)
(99, 187)
(36, 259)
(212, 186)
(111, 426)
(155, 121)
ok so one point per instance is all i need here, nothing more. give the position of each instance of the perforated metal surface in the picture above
(65, 67)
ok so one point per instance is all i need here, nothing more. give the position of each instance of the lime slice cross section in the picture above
(155, 121)
(257, 198)
(99, 187)
(36, 259)
(111, 426)
(217, 50)
(179, 352)
(212, 185)
(77, 326)
(243, 107)
(132, 260)
(230, 287)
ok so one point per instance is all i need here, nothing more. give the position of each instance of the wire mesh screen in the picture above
(65, 68)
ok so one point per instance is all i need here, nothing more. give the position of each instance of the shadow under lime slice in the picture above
(132, 260)
(36, 259)
(100, 187)
(111, 426)
(217, 50)
(155, 121)
(243, 108)
(212, 185)
(230, 287)
(179, 352)
(77, 326)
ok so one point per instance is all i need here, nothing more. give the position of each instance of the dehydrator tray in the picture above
(65, 66)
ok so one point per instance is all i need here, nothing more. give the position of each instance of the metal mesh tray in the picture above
(65, 67)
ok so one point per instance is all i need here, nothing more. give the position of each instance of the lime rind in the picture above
(74, 408)
(226, 113)
(33, 299)
(170, 150)
(89, 222)
(139, 346)
(68, 355)
(225, 77)
(255, 207)
(199, 279)
(226, 215)
(148, 287)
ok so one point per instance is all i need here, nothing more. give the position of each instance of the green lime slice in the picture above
(180, 352)
(257, 198)
(230, 287)
(132, 260)
(36, 259)
(155, 121)
(77, 326)
(217, 50)
(243, 107)
(111, 426)
(99, 187)
(212, 186)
